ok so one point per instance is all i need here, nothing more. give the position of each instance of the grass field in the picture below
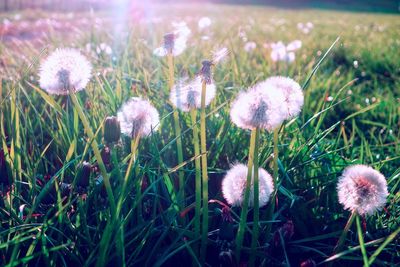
(348, 66)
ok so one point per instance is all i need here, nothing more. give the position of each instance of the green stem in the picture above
(96, 152)
(271, 207)
(204, 172)
(256, 211)
(193, 113)
(389, 239)
(245, 204)
(177, 126)
(342, 238)
(361, 240)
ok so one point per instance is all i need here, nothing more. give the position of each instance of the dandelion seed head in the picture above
(259, 107)
(175, 42)
(362, 189)
(188, 96)
(138, 117)
(204, 22)
(234, 186)
(250, 46)
(63, 71)
(292, 92)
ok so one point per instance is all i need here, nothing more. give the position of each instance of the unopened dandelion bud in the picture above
(112, 130)
(83, 175)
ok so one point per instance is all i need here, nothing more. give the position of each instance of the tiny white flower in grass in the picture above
(250, 46)
(138, 117)
(259, 107)
(188, 96)
(64, 71)
(204, 22)
(234, 186)
(292, 92)
(362, 189)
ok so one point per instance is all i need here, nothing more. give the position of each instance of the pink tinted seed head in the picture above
(362, 189)
(64, 71)
(138, 118)
(234, 186)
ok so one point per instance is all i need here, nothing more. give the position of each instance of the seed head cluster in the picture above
(362, 189)
(234, 186)
(64, 71)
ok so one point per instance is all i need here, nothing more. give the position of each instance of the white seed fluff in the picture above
(259, 107)
(63, 71)
(138, 117)
(362, 189)
(234, 186)
(188, 96)
(292, 92)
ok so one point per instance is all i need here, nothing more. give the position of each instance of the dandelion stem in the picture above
(181, 194)
(256, 212)
(361, 240)
(193, 113)
(271, 207)
(96, 152)
(245, 207)
(204, 172)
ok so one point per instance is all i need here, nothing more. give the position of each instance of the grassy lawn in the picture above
(348, 66)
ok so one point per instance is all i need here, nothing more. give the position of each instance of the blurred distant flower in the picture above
(64, 71)
(138, 117)
(292, 92)
(281, 52)
(305, 27)
(175, 42)
(234, 186)
(204, 22)
(250, 46)
(362, 189)
(188, 96)
(259, 107)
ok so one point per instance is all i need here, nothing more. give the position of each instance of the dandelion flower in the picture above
(259, 107)
(282, 52)
(292, 92)
(65, 70)
(250, 46)
(362, 189)
(234, 186)
(138, 117)
(187, 97)
(204, 22)
(175, 42)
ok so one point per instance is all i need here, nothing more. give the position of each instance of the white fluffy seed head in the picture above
(64, 71)
(259, 107)
(234, 186)
(138, 117)
(362, 189)
(188, 96)
(293, 94)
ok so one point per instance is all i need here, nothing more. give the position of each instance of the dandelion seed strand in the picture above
(245, 203)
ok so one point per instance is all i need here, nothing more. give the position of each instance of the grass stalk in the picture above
(361, 240)
(245, 206)
(342, 237)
